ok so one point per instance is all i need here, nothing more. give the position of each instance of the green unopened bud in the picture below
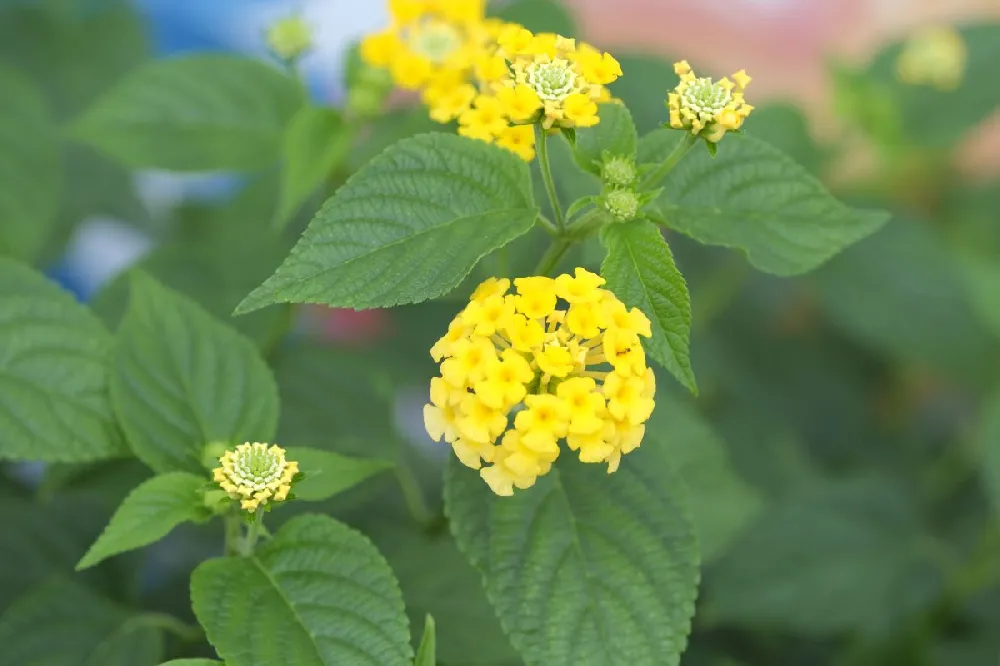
(212, 452)
(622, 204)
(289, 38)
(618, 171)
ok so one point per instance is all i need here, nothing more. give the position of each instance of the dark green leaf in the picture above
(328, 473)
(640, 270)
(615, 134)
(755, 198)
(988, 436)
(317, 594)
(148, 514)
(54, 357)
(194, 113)
(538, 16)
(183, 380)
(644, 88)
(584, 567)
(407, 227)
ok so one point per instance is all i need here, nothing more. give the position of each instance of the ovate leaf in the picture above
(317, 594)
(640, 270)
(54, 357)
(148, 514)
(407, 227)
(183, 379)
(426, 653)
(753, 197)
(316, 141)
(584, 567)
(615, 134)
(62, 623)
(29, 167)
(328, 473)
(195, 112)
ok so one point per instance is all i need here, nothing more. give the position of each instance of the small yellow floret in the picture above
(705, 107)
(255, 474)
(934, 56)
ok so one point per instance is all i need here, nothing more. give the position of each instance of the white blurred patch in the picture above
(101, 248)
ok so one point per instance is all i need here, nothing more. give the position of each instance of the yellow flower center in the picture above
(553, 81)
(706, 98)
(434, 39)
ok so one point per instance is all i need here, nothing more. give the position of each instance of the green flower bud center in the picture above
(619, 171)
(623, 204)
(257, 467)
(435, 40)
(553, 81)
(705, 97)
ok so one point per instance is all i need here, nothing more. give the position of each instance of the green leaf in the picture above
(407, 227)
(317, 594)
(316, 141)
(840, 556)
(615, 134)
(426, 655)
(755, 198)
(981, 276)
(62, 623)
(537, 16)
(723, 505)
(644, 88)
(786, 127)
(194, 113)
(192, 662)
(328, 473)
(183, 379)
(148, 514)
(640, 270)
(54, 357)
(29, 167)
(584, 567)
(988, 439)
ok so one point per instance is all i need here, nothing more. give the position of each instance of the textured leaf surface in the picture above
(614, 134)
(328, 473)
(407, 227)
(640, 270)
(844, 555)
(148, 514)
(584, 568)
(196, 112)
(316, 141)
(723, 505)
(317, 594)
(182, 380)
(29, 167)
(62, 623)
(54, 358)
(753, 197)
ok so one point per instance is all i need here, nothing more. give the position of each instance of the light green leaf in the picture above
(317, 594)
(640, 270)
(786, 127)
(316, 141)
(183, 379)
(584, 567)
(148, 514)
(753, 197)
(29, 167)
(328, 473)
(407, 227)
(537, 16)
(614, 134)
(54, 357)
(840, 556)
(426, 655)
(194, 113)
(62, 623)
(722, 503)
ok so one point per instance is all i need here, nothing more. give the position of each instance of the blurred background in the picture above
(844, 451)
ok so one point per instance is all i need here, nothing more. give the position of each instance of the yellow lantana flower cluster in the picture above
(560, 360)
(705, 107)
(542, 78)
(256, 474)
(934, 56)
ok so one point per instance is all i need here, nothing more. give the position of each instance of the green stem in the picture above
(541, 141)
(232, 533)
(551, 258)
(249, 542)
(682, 148)
(188, 633)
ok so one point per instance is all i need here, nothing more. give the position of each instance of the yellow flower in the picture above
(255, 474)
(520, 140)
(934, 56)
(520, 374)
(705, 107)
(289, 38)
(484, 122)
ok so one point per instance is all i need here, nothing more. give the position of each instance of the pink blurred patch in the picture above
(342, 325)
